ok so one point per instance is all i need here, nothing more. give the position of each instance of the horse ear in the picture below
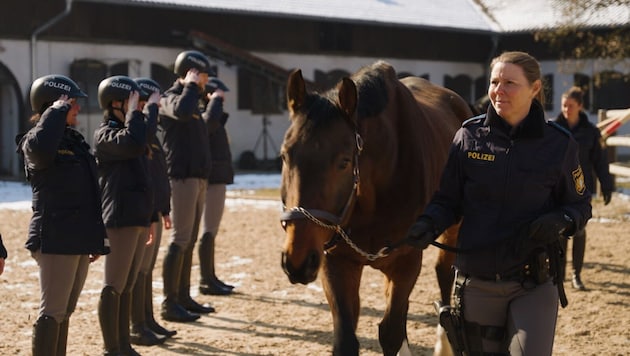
(348, 97)
(296, 91)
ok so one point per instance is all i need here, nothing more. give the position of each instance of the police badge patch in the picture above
(578, 180)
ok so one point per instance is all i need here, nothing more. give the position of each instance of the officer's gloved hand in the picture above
(192, 76)
(607, 197)
(133, 104)
(61, 101)
(421, 233)
(154, 98)
(549, 227)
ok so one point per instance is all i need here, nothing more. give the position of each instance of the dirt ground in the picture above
(269, 316)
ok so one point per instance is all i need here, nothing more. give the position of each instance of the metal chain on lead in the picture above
(384, 252)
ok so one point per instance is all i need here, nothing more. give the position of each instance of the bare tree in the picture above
(585, 30)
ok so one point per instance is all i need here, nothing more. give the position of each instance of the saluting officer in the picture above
(144, 328)
(515, 182)
(66, 232)
(121, 147)
(185, 141)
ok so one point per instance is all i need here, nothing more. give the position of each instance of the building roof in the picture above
(500, 16)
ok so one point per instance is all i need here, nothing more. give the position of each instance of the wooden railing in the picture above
(609, 122)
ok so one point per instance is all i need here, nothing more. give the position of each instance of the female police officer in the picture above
(515, 182)
(121, 147)
(593, 159)
(66, 231)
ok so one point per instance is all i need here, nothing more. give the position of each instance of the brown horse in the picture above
(360, 162)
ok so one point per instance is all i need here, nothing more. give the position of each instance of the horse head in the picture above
(319, 172)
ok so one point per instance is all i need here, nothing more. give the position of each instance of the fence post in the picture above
(611, 150)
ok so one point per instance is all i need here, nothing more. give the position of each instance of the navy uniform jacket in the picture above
(66, 196)
(498, 180)
(184, 133)
(222, 169)
(593, 156)
(123, 167)
(161, 185)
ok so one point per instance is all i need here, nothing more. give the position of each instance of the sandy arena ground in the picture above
(269, 316)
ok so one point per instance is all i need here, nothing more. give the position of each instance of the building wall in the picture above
(244, 127)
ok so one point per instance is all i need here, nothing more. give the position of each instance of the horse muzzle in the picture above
(303, 274)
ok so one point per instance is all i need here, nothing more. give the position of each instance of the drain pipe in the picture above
(42, 28)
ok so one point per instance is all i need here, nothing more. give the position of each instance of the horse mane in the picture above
(372, 89)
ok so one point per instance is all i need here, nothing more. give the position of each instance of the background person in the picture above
(121, 147)
(221, 174)
(515, 183)
(144, 327)
(66, 232)
(594, 161)
(185, 141)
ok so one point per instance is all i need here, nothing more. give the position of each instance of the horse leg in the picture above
(341, 279)
(445, 276)
(401, 273)
(444, 265)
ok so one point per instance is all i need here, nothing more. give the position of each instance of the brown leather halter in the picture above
(336, 222)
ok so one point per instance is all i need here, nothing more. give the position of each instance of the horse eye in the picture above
(345, 163)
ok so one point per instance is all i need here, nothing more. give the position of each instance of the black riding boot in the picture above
(123, 325)
(148, 310)
(184, 287)
(62, 342)
(171, 273)
(210, 284)
(45, 335)
(108, 312)
(140, 333)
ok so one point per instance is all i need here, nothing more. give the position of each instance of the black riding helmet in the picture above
(215, 83)
(117, 87)
(192, 59)
(149, 86)
(45, 90)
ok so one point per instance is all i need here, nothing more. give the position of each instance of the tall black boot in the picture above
(209, 283)
(108, 311)
(140, 333)
(148, 310)
(184, 287)
(171, 273)
(579, 246)
(123, 325)
(45, 335)
(62, 342)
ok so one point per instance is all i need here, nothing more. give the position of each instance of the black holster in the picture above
(451, 318)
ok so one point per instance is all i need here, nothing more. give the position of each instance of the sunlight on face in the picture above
(71, 117)
(510, 92)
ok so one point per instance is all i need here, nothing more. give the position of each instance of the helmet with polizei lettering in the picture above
(118, 88)
(45, 90)
(149, 86)
(192, 59)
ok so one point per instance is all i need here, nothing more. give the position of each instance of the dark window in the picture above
(461, 84)
(259, 94)
(328, 80)
(120, 68)
(584, 82)
(548, 91)
(163, 75)
(88, 73)
(481, 88)
(335, 36)
(610, 90)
